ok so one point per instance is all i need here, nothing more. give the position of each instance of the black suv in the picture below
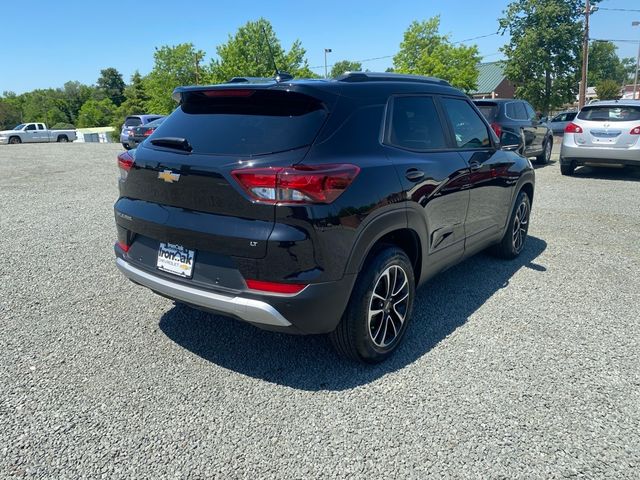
(510, 117)
(318, 206)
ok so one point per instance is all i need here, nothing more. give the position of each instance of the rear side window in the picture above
(469, 129)
(488, 110)
(415, 124)
(132, 122)
(245, 122)
(612, 113)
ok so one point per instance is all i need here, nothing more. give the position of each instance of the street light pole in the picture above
(635, 23)
(326, 50)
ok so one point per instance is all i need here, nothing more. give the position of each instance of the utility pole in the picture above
(635, 81)
(326, 50)
(585, 56)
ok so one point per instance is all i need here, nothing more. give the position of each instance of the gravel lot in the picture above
(522, 369)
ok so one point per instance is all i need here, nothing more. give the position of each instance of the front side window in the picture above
(415, 124)
(531, 115)
(469, 129)
(31, 127)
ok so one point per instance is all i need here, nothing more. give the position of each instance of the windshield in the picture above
(245, 122)
(610, 113)
(19, 127)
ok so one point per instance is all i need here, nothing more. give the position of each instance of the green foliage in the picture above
(10, 111)
(604, 64)
(111, 85)
(608, 90)
(345, 66)
(134, 104)
(543, 54)
(424, 51)
(62, 126)
(75, 94)
(247, 54)
(96, 113)
(174, 66)
(44, 105)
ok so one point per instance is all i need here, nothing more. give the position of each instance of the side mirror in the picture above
(511, 142)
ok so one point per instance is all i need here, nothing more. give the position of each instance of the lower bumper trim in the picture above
(247, 309)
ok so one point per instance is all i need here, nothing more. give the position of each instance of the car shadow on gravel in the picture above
(309, 362)
(630, 174)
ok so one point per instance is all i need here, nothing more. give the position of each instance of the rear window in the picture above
(132, 122)
(612, 113)
(245, 122)
(488, 110)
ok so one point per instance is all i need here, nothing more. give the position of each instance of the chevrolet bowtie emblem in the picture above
(168, 176)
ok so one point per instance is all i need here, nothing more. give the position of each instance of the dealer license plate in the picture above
(175, 259)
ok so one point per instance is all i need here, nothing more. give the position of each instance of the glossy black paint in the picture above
(441, 206)
(533, 132)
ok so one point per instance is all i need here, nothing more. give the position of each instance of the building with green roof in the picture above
(492, 82)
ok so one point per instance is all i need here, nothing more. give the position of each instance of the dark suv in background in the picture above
(516, 117)
(317, 206)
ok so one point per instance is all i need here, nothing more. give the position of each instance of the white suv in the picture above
(603, 133)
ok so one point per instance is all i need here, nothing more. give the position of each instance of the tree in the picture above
(543, 53)
(247, 54)
(74, 95)
(135, 102)
(174, 66)
(10, 111)
(345, 66)
(111, 85)
(425, 51)
(96, 113)
(44, 105)
(604, 64)
(608, 90)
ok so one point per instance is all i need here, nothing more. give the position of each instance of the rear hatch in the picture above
(608, 126)
(489, 110)
(180, 188)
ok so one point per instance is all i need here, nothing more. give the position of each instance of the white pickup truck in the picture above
(35, 133)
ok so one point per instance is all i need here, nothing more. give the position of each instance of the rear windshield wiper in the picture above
(173, 142)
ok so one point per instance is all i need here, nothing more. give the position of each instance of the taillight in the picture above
(635, 130)
(123, 246)
(147, 132)
(229, 93)
(125, 161)
(497, 128)
(273, 287)
(297, 184)
(572, 128)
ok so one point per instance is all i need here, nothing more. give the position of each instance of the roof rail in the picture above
(388, 77)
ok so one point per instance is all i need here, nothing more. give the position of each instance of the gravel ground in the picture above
(521, 369)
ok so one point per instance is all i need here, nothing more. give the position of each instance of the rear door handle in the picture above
(414, 174)
(474, 165)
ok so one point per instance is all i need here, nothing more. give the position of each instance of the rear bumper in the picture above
(579, 155)
(316, 309)
(250, 310)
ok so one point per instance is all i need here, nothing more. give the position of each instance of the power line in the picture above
(391, 56)
(619, 9)
(614, 40)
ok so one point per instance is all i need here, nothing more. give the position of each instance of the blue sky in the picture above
(62, 40)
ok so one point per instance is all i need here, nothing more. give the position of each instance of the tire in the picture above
(512, 243)
(371, 340)
(567, 168)
(126, 146)
(62, 139)
(545, 156)
(15, 140)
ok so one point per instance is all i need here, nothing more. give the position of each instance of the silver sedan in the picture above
(603, 133)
